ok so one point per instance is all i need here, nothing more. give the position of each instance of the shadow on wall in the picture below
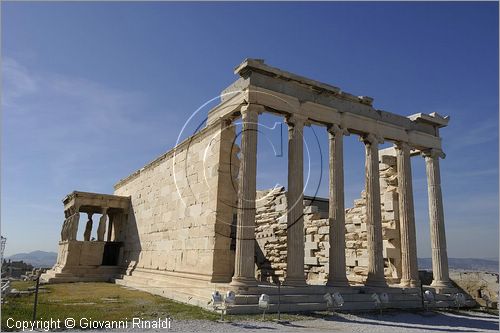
(129, 235)
(266, 272)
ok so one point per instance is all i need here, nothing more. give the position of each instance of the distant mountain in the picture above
(464, 264)
(36, 258)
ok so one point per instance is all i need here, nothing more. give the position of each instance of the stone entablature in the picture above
(91, 203)
(285, 93)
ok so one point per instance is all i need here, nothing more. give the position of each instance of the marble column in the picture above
(244, 266)
(88, 228)
(295, 200)
(409, 268)
(436, 218)
(337, 266)
(101, 229)
(376, 276)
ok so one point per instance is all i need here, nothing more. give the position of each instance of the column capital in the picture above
(250, 108)
(400, 145)
(227, 122)
(75, 209)
(433, 153)
(295, 120)
(371, 138)
(104, 210)
(335, 129)
(402, 148)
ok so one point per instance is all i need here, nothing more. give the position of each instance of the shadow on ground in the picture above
(435, 321)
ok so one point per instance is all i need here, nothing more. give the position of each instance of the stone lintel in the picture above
(356, 123)
(306, 90)
(258, 65)
(391, 151)
(434, 119)
(357, 120)
(89, 202)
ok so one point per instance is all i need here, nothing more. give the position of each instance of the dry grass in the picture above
(99, 301)
(105, 302)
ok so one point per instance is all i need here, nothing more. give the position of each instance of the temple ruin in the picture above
(192, 221)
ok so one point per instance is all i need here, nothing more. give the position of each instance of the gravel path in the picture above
(396, 322)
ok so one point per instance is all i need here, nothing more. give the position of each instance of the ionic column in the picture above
(409, 273)
(436, 218)
(295, 201)
(101, 229)
(244, 266)
(373, 213)
(336, 273)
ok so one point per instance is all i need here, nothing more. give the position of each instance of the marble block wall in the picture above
(182, 207)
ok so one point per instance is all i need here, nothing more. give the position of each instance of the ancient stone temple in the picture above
(192, 221)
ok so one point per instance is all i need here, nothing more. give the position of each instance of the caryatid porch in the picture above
(83, 257)
(301, 102)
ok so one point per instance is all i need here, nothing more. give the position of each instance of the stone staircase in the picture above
(80, 274)
(291, 299)
(310, 298)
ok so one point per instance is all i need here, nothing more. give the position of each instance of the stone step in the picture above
(292, 299)
(318, 298)
(322, 289)
(320, 306)
(273, 308)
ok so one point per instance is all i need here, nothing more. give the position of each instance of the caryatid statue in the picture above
(101, 230)
(88, 228)
(64, 230)
(73, 224)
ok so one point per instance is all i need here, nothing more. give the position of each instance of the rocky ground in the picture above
(462, 321)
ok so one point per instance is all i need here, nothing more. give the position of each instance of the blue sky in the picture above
(93, 91)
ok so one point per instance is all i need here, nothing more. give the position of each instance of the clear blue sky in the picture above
(93, 91)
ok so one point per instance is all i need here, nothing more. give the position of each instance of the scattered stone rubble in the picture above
(481, 286)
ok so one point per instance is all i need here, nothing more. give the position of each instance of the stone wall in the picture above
(182, 207)
(356, 241)
(271, 232)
